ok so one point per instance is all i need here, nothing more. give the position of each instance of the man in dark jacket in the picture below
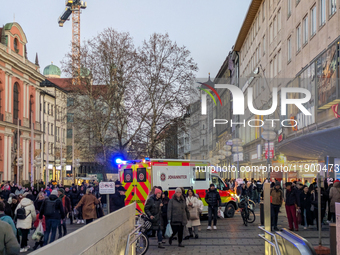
(52, 209)
(213, 199)
(153, 210)
(324, 199)
(67, 209)
(292, 203)
(117, 201)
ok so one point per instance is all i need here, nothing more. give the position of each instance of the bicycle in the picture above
(142, 242)
(247, 213)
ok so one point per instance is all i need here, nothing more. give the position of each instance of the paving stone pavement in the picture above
(232, 237)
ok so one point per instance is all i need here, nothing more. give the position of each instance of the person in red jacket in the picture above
(67, 208)
(36, 224)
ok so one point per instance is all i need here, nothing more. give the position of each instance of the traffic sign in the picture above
(106, 187)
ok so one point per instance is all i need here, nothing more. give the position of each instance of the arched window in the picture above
(15, 102)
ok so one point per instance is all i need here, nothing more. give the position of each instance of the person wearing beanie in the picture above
(178, 215)
(276, 195)
(67, 209)
(52, 209)
(153, 208)
(213, 199)
(334, 197)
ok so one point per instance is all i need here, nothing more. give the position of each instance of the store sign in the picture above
(254, 156)
(238, 156)
(271, 150)
(50, 166)
(68, 168)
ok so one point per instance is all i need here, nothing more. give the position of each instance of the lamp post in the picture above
(269, 135)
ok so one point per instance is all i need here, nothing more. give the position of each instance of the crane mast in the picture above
(73, 7)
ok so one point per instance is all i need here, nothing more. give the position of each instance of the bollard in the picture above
(262, 213)
(332, 238)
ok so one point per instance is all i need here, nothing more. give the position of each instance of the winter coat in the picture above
(195, 204)
(59, 210)
(66, 204)
(153, 208)
(277, 196)
(178, 212)
(292, 197)
(30, 213)
(74, 197)
(324, 199)
(117, 201)
(88, 203)
(305, 200)
(9, 220)
(37, 204)
(212, 198)
(165, 202)
(8, 242)
(8, 209)
(5, 193)
(334, 196)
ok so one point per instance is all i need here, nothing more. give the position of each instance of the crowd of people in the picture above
(23, 209)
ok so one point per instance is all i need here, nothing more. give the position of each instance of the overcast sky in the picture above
(207, 28)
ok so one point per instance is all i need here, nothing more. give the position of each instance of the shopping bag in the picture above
(194, 215)
(220, 213)
(168, 231)
(38, 233)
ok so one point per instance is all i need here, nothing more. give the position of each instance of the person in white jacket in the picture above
(24, 225)
(195, 208)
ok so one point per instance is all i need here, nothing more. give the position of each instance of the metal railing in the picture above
(275, 245)
(133, 240)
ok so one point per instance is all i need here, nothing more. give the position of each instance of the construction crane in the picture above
(73, 7)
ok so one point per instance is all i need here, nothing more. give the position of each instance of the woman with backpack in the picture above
(25, 215)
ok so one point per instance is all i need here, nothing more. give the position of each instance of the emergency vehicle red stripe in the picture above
(159, 163)
(185, 164)
(144, 187)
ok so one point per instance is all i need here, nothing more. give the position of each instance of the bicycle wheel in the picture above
(251, 216)
(142, 244)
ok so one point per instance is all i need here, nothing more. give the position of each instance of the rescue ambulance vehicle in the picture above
(139, 176)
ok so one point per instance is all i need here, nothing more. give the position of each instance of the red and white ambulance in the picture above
(139, 176)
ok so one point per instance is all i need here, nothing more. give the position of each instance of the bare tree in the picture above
(166, 72)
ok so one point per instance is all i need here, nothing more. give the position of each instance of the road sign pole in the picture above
(108, 203)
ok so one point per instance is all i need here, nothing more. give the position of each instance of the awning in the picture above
(315, 145)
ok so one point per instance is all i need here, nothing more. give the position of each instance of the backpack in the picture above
(21, 213)
(49, 207)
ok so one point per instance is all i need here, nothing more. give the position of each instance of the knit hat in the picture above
(121, 188)
(157, 191)
(54, 192)
(166, 193)
(336, 181)
(62, 191)
(212, 185)
(118, 183)
(178, 190)
(277, 184)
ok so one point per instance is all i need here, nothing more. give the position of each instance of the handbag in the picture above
(168, 231)
(220, 213)
(100, 212)
(299, 216)
(194, 213)
(38, 233)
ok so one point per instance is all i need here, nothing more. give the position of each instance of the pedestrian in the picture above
(25, 216)
(334, 197)
(178, 215)
(52, 209)
(38, 202)
(165, 202)
(292, 203)
(324, 199)
(11, 205)
(306, 203)
(81, 193)
(213, 199)
(153, 208)
(259, 186)
(88, 203)
(7, 218)
(8, 242)
(117, 201)
(74, 201)
(276, 203)
(67, 208)
(194, 210)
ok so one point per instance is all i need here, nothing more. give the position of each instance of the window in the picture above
(70, 117)
(305, 30)
(270, 32)
(16, 45)
(52, 148)
(274, 27)
(264, 44)
(298, 38)
(218, 183)
(44, 107)
(289, 8)
(51, 129)
(263, 10)
(200, 174)
(48, 109)
(48, 128)
(52, 110)
(332, 7)
(141, 174)
(69, 150)
(15, 102)
(70, 101)
(313, 21)
(279, 62)
(64, 135)
(69, 133)
(289, 49)
(322, 12)
(58, 134)
(279, 20)
(128, 177)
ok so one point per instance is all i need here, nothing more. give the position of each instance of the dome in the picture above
(52, 71)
